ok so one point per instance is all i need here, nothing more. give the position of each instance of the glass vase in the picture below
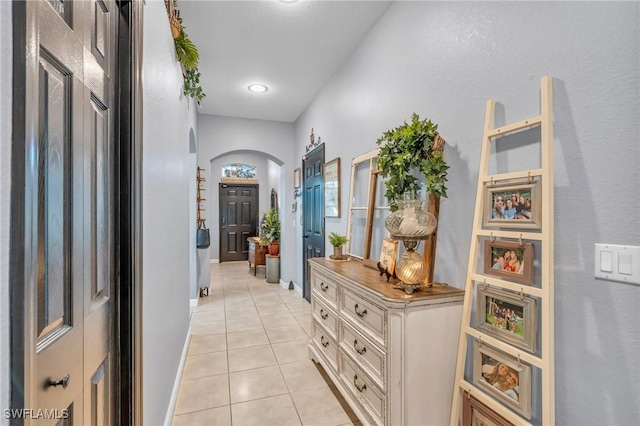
(410, 224)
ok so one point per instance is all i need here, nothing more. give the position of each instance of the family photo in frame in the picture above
(513, 205)
(475, 413)
(504, 377)
(510, 260)
(507, 316)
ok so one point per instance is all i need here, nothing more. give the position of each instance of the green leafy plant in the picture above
(337, 240)
(189, 57)
(186, 51)
(408, 147)
(270, 226)
(192, 85)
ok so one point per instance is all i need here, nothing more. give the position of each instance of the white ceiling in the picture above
(293, 48)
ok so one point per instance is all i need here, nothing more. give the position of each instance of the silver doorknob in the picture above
(64, 382)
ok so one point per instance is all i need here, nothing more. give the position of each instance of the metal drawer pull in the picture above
(64, 382)
(324, 343)
(355, 383)
(360, 351)
(323, 286)
(322, 314)
(360, 314)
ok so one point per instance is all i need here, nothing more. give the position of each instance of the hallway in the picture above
(248, 361)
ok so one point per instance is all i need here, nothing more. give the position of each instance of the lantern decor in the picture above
(410, 224)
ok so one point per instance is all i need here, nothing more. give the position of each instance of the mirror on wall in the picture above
(367, 210)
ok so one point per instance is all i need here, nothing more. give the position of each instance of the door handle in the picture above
(305, 236)
(64, 382)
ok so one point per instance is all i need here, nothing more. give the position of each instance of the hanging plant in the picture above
(188, 56)
(414, 145)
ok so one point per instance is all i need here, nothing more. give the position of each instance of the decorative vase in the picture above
(337, 254)
(274, 248)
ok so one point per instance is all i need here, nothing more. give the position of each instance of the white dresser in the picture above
(391, 355)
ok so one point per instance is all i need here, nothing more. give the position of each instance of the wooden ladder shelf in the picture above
(541, 289)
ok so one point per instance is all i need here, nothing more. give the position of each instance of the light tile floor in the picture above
(248, 361)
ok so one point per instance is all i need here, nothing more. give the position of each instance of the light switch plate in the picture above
(617, 263)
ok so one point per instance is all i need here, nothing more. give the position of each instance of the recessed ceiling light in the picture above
(258, 88)
(288, 1)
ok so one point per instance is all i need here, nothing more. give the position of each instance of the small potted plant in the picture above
(270, 230)
(337, 241)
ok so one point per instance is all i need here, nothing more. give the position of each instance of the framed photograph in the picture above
(388, 254)
(332, 188)
(510, 260)
(297, 178)
(475, 413)
(503, 377)
(507, 316)
(513, 205)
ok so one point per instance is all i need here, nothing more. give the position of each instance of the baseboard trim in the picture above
(215, 261)
(193, 303)
(168, 420)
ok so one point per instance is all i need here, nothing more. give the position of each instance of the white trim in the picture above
(284, 285)
(215, 260)
(193, 303)
(176, 384)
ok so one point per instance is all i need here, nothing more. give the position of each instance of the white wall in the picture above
(444, 60)
(167, 222)
(5, 192)
(272, 140)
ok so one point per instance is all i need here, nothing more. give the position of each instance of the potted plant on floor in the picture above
(337, 241)
(271, 230)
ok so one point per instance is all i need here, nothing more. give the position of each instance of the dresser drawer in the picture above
(326, 289)
(325, 344)
(366, 354)
(367, 317)
(325, 316)
(361, 388)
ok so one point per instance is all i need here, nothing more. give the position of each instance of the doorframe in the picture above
(128, 267)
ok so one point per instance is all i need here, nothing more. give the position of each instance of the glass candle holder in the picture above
(410, 224)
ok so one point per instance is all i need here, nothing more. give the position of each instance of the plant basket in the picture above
(174, 22)
(176, 28)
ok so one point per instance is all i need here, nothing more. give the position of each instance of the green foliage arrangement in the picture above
(408, 147)
(270, 226)
(337, 240)
(189, 57)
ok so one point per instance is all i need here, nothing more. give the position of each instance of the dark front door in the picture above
(313, 212)
(238, 218)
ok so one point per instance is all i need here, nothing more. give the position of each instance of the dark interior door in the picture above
(65, 139)
(313, 212)
(238, 217)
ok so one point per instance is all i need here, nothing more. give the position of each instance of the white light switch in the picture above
(624, 263)
(606, 261)
(617, 263)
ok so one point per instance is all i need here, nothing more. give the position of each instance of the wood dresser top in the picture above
(370, 279)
